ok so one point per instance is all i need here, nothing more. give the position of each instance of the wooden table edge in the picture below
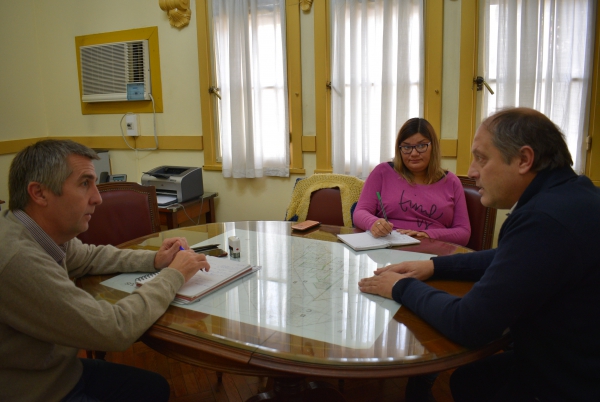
(218, 357)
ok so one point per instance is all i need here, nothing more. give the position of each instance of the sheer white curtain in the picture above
(376, 78)
(250, 49)
(538, 54)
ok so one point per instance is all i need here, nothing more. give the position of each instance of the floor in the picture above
(190, 383)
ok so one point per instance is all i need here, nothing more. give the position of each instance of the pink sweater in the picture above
(438, 209)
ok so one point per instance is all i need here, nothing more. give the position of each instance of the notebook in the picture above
(366, 241)
(222, 272)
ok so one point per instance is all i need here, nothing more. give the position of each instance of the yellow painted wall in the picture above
(22, 107)
(41, 96)
(40, 93)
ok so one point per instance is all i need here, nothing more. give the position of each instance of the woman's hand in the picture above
(414, 233)
(381, 228)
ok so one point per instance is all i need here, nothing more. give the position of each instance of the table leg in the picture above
(296, 389)
(210, 214)
(170, 216)
(174, 217)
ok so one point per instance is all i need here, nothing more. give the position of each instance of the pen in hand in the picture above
(182, 249)
(382, 208)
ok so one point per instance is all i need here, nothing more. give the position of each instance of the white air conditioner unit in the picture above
(118, 71)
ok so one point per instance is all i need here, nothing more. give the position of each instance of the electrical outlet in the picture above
(132, 123)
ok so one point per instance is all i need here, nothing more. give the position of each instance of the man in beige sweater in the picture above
(44, 318)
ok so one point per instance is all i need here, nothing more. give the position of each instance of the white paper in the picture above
(165, 199)
(222, 270)
(366, 241)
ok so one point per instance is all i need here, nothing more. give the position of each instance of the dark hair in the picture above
(414, 126)
(44, 162)
(514, 128)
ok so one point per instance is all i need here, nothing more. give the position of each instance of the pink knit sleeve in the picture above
(460, 230)
(367, 206)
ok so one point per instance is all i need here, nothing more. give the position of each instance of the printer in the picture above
(185, 183)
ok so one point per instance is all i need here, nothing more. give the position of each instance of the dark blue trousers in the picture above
(496, 378)
(112, 382)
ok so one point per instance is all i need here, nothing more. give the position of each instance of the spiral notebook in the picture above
(222, 272)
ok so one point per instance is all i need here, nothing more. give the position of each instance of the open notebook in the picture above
(366, 241)
(222, 271)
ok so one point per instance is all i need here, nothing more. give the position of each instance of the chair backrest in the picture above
(483, 219)
(328, 198)
(326, 207)
(128, 211)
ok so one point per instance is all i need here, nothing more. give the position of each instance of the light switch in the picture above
(132, 123)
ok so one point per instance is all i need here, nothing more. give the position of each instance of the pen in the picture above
(182, 249)
(382, 208)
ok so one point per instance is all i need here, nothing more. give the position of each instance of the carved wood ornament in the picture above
(178, 11)
(305, 5)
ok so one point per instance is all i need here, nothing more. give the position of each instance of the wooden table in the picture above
(406, 347)
(172, 216)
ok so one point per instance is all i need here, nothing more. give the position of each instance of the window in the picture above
(246, 111)
(420, 80)
(377, 79)
(539, 55)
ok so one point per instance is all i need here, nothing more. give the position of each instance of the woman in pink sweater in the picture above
(420, 198)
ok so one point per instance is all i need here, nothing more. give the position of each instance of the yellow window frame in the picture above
(467, 123)
(434, 24)
(294, 78)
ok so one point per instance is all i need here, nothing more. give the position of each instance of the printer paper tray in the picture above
(164, 200)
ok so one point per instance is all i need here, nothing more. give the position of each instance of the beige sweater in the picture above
(45, 319)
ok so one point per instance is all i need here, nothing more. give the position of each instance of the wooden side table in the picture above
(174, 215)
(1, 202)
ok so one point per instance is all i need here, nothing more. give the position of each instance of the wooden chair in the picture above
(483, 219)
(128, 211)
(326, 207)
(327, 198)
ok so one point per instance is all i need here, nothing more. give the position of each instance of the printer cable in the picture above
(185, 212)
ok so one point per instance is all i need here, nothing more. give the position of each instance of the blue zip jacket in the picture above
(542, 283)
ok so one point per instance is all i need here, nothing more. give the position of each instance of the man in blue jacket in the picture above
(542, 282)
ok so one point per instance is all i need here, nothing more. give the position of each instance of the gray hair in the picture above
(514, 128)
(44, 162)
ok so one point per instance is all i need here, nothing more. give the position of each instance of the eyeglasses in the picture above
(407, 149)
